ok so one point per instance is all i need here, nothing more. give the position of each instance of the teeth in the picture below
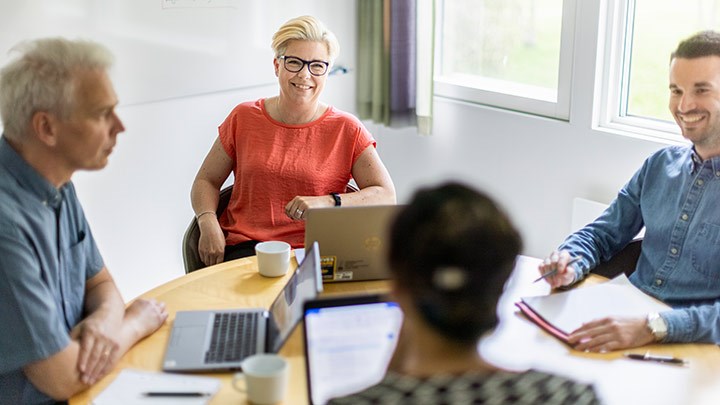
(691, 118)
(301, 86)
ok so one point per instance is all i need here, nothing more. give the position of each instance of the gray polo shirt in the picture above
(46, 254)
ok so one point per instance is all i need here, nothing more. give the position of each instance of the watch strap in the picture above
(336, 197)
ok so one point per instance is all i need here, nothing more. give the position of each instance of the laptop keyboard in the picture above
(234, 337)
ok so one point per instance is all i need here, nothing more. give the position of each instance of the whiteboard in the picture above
(167, 49)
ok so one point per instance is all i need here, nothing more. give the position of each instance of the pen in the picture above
(175, 394)
(656, 358)
(554, 271)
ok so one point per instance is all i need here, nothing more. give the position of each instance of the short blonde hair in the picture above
(305, 28)
(42, 78)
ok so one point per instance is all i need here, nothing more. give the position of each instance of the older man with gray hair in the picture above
(65, 324)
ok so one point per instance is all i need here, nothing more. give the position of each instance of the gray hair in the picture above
(305, 28)
(42, 78)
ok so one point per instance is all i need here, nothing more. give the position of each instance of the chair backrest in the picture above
(191, 257)
(624, 261)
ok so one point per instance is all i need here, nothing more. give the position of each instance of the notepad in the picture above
(561, 313)
(130, 386)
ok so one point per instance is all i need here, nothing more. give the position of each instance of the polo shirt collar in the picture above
(27, 177)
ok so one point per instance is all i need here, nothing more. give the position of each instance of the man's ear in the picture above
(44, 127)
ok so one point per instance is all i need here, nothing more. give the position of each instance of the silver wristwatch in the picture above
(657, 326)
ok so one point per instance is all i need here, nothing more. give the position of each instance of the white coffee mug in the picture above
(265, 377)
(273, 258)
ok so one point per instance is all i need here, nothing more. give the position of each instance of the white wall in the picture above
(139, 206)
(172, 65)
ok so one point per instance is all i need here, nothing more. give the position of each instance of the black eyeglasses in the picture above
(294, 65)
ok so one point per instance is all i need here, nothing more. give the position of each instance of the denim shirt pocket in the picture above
(705, 253)
(74, 259)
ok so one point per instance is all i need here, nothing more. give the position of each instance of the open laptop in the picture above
(353, 239)
(349, 342)
(220, 339)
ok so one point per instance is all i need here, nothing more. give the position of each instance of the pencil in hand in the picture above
(555, 270)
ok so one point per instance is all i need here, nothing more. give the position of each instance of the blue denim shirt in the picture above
(46, 254)
(676, 196)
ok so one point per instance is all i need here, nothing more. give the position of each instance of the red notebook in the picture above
(561, 313)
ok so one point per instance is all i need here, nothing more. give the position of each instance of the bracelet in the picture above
(197, 217)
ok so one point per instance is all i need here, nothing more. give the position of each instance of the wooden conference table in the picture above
(516, 344)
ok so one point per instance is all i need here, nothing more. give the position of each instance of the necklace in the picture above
(281, 119)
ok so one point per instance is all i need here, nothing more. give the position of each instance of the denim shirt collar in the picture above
(27, 177)
(695, 163)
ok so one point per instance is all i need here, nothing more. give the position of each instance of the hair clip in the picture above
(449, 278)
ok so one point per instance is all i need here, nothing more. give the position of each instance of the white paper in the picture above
(130, 385)
(570, 309)
(299, 255)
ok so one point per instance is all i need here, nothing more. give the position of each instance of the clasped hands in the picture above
(99, 336)
(600, 335)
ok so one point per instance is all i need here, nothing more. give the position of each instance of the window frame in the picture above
(514, 100)
(613, 89)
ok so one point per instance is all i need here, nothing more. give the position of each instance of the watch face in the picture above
(657, 325)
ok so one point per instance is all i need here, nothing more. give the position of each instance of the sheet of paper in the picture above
(568, 310)
(299, 255)
(130, 386)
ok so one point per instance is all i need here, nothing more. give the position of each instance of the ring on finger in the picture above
(299, 212)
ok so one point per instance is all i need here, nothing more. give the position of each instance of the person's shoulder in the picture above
(337, 115)
(672, 153)
(248, 107)
(573, 392)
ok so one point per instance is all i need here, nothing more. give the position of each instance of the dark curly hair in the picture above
(453, 249)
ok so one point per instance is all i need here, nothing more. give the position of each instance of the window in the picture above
(513, 54)
(641, 36)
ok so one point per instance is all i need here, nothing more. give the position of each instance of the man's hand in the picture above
(565, 274)
(609, 334)
(98, 347)
(145, 316)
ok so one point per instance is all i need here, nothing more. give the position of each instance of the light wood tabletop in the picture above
(235, 284)
(517, 344)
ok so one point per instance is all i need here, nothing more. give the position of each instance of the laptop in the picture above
(218, 340)
(353, 239)
(349, 342)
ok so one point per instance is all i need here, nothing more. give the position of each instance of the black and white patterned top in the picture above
(531, 387)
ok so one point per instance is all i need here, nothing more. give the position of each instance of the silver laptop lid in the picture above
(287, 309)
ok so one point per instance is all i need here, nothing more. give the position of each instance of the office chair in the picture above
(191, 257)
(624, 261)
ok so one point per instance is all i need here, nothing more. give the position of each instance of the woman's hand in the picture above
(298, 206)
(211, 246)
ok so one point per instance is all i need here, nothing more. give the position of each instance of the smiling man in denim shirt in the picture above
(64, 324)
(676, 196)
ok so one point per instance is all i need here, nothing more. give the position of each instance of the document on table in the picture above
(561, 313)
(132, 386)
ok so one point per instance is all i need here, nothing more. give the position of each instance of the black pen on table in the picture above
(175, 394)
(554, 271)
(656, 358)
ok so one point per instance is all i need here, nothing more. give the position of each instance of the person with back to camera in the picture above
(288, 153)
(64, 323)
(451, 252)
(674, 195)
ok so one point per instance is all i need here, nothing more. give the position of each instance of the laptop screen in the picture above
(286, 310)
(348, 344)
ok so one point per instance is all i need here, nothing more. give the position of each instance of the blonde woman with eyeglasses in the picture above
(289, 153)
